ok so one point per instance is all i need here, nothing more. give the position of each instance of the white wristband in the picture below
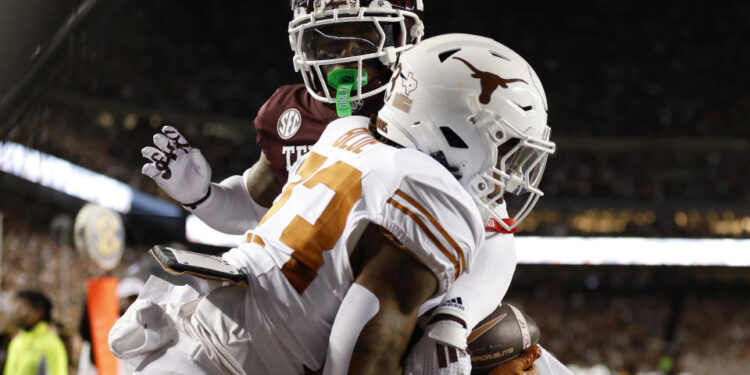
(448, 332)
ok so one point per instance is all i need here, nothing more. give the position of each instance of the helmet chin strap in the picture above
(343, 81)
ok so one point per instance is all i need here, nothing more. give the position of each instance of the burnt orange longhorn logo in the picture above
(488, 81)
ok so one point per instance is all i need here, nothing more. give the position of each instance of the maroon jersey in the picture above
(291, 121)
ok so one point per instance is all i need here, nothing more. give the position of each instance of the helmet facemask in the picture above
(514, 179)
(328, 34)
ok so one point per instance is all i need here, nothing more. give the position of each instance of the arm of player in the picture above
(232, 206)
(388, 291)
(239, 202)
(476, 294)
(472, 297)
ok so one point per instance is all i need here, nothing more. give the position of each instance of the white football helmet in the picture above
(479, 108)
(384, 29)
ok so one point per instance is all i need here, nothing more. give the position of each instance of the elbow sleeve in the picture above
(476, 294)
(230, 208)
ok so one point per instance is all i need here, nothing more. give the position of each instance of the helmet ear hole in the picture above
(453, 139)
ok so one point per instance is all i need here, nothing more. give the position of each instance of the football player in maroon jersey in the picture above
(362, 38)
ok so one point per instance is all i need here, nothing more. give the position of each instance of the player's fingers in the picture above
(199, 162)
(536, 350)
(150, 170)
(161, 142)
(512, 367)
(530, 355)
(166, 129)
(148, 152)
(174, 135)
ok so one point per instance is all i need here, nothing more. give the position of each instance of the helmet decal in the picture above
(410, 83)
(488, 81)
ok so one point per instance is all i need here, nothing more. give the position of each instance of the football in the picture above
(500, 337)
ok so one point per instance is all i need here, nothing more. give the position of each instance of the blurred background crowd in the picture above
(649, 106)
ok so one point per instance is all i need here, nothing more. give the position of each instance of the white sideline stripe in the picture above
(633, 251)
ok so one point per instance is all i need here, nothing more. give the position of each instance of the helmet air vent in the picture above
(525, 108)
(445, 55)
(453, 139)
(499, 55)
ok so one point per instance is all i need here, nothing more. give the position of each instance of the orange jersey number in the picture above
(309, 241)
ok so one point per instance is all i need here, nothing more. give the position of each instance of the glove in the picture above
(178, 168)
(522, 365)
(440, 351)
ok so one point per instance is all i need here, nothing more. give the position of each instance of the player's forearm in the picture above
(382, 343)
(261, 182)
(476, 294)
(401, 285)
(230, 208)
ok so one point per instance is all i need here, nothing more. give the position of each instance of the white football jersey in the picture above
(297, 258)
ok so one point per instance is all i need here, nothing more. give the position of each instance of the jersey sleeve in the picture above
(435, 220)
(476, 294)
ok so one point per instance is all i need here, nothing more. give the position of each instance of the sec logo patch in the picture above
(289, 123)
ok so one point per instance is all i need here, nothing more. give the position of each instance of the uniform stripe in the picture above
(253, 238)
(442, 361)
(436, 224)
(429, 234)
(452, 354)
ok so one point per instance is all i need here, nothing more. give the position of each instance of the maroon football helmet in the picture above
(328, 33)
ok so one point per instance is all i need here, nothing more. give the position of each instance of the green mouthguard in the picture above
(344, 81)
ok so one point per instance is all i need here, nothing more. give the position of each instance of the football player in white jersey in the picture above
(460, 98)
(356, 214)
(327, 229)
(472, 311)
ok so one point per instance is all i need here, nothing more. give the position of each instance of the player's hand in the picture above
(178, 168)
(522, 365)
(440, 351)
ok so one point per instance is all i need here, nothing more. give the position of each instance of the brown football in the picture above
(500, 337)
